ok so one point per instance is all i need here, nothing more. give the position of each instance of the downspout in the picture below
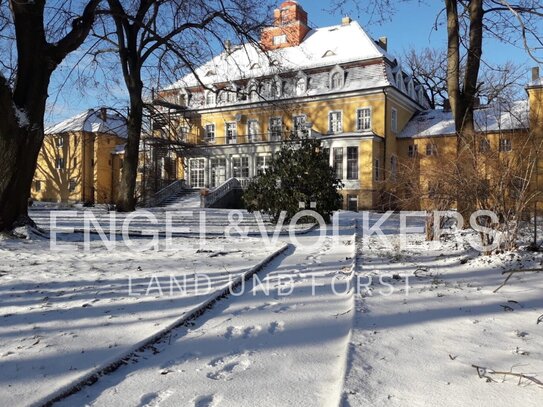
(385, 135)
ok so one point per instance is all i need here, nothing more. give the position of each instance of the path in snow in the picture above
(257, 349)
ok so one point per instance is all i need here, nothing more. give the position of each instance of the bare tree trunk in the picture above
(126, 200)
(23, 108)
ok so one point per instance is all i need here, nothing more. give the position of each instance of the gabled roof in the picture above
(347, 43)
(490, 118)
(91, 121)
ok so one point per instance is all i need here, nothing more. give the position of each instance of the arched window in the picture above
(337, 80)
(274, 89)
(210, 98)
(301, 86)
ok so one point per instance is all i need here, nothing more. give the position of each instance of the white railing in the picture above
(220, 192)
(165, 193)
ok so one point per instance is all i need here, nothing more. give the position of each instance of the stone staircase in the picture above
(186, 198)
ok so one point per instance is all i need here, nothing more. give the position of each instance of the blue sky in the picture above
(410, 27)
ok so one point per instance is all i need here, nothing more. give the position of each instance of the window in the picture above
(336, 81)
(37, 186)
(240, 167)
(412, 150)
(210, 132)
(338, 162)
(285, 16)
(210, 98)
(218, 172)
(59, 141)
(262, 164)
(336, 122)
(59, 165)
(505, 145)
(394, 120)
(326, 154)
(252, 130)
(484, 145)
(73, 185)
(352, 162)
(230, 96)
(363, 119)
(184, 132)
(301, 86)
(231, 133)
(431, 149)
(276, 128)
(377, 171)
(197, 172)
(253, 94)
(299, 124)
(274, 89)
(280, 39)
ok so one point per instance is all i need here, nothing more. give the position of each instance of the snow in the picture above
(258, 349)
(305, 333)
(93, 122)
(348, 43)
(491, 118)
(66, 313)
(418, 349)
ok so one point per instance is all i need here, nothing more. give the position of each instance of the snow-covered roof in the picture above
(536, 82)
(92, 121)
(321, 47)
(489, 118)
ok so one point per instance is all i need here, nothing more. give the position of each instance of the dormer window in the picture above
(255, 66)
(329, 53)
(301, 86)
(210, 98)
(336, 81)
(210, 73)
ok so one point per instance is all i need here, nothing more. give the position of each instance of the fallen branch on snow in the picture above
(484, 373)
(511, 273)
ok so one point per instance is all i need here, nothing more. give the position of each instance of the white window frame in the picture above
(201, 171)
(300, 90)
(341, 73)
(228, 139)
(506, 145)
(359, 122)
(241, 167)
(412, 150)
(210, 102)
(394, 120)
(272, 129)
(251, 138)
(294, 127)
(356, 174)
(206, 131)
(280, 39)
(340, 128)
(267, 158)
(431, 149)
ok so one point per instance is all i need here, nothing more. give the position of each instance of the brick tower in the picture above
(289, 29)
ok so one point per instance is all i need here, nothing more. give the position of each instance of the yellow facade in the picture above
(77, 166)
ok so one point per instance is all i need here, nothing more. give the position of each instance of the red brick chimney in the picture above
(289, 29)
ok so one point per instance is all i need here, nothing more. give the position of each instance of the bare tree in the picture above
(43, 33)
(496, 83)
(149, 34)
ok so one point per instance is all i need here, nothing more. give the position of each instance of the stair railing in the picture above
(214, 195)
(173, 189)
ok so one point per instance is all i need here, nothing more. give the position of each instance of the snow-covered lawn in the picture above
(66, 313)
(185, 222)
(417, 348)
(308, 341)
(276, 348)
